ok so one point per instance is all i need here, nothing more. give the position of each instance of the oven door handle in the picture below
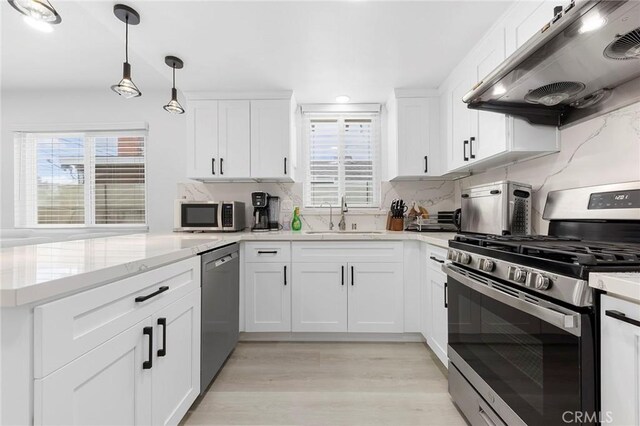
(550, 313)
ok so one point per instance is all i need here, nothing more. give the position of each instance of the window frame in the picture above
(27, 179)
(340, 116)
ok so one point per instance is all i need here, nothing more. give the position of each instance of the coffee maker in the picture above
(266, 212)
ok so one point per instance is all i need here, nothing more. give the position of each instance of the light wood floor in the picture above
(328, 384)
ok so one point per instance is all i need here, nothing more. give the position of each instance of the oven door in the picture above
(200, 216)
(531, 360)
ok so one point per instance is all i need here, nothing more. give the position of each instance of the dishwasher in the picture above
(220, 310)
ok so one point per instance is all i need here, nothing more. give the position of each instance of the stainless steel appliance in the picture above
(500, 208)
(274, 213)
(521, 316)
(219, 311)
(208, 216)
(583, 62)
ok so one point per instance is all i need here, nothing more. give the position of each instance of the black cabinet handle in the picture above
(267, 251)
(622, 317)
(464, 150)
(342, 274)
(471, 154)
(426, 163)
(213, 166)
(285, 274)
(436, 259)
(352, 274)
(148, 364)
(163, 323)
(154, 294)
(446, 302)
(221, 171)
(285, 165)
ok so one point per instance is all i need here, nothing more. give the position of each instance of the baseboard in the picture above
(330, 337)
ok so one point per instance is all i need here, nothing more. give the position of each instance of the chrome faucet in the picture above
(330, 214)
(342, 225)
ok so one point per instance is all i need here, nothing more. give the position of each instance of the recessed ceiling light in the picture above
(39, 10)
(342, 99)
(43, 26)
(592, 23)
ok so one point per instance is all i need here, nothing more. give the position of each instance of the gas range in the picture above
(555, 266)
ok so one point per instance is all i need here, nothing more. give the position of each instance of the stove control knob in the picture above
(452, 255)
(464, 258)
(487, 265)
(542, 282)
(520, 275)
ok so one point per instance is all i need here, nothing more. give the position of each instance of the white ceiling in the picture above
(318, 49)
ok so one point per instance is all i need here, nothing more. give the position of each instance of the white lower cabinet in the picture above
(267, 296)
(434, 301)
(319, 297)
(107, 386)
(376, 297)
(620, 361)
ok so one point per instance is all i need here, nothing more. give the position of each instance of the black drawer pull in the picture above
(471, 154)
(285, 274)
(426, 163)
(221, 160)
(622, 317)
(285, 165)
(464, 151)
(267, 251)
(436, 259)
(154, 294)
(213, 166)
(446, 302)
(342, 274)
(163, 323)
(148, 364)
(352, 275)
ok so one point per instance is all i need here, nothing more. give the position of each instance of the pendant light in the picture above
(174, 106)
(37, 10)
(126, 87)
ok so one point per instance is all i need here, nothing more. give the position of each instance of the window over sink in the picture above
(342, 159)
(80, 179)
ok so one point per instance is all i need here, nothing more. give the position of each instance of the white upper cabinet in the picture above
(240, 139)
(527, 18)
(234, 121)
(414, 137)
(272, 133)
(478, 140)
(202, 139)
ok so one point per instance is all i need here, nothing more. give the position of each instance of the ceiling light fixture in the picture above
(592, 23)
(45, 27)
(126, 87)
(342, 99)
(174, 106)
(37, 10)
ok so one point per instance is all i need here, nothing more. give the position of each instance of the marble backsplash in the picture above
(433, 195)
(603, 150)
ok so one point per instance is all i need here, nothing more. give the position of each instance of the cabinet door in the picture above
(176, 367)
(202, 140)
(106, 386)
(376, 297)
(319, 295)
(235, 139)
(620, 362)
(489, 132)
(270, 138)
(267, 297)
(413, 136)
(438, 336)
(460, 120)
(525, 20)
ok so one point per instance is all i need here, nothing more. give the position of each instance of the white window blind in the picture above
(342, 159)
(80, 179)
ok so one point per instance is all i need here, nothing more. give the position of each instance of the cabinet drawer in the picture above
(371, 252)
(72, 326)
(436, 256)
(268, 252)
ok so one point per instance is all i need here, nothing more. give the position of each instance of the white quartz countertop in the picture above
(36, 273)
(625, 284)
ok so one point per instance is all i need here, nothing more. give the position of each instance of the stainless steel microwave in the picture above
(208, 216)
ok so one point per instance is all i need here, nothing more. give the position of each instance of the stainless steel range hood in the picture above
(584, 62)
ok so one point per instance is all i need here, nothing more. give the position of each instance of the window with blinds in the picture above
(80, 179)
(342, 159)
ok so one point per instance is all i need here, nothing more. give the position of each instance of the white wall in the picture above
(166, 156)
(603, 150)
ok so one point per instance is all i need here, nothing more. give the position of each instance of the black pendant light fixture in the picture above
(38, 10)
(174, 106)
(126, 87)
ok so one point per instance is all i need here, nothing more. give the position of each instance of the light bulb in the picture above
(342, 99)
(37, 24)
(592, 23)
